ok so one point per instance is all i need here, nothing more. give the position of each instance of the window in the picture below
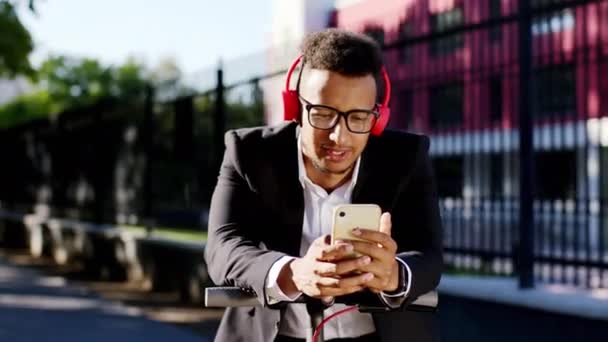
(554, 21)
(449, 172)
(444, 21)
(406, 30)
(554, 91)
(496, 175)
(555, 174)
(495, 12)
(495, 99)
(446, 105)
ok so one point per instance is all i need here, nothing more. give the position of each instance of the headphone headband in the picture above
(387, 83)
(291, 101)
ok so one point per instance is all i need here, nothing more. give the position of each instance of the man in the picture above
(271, 210)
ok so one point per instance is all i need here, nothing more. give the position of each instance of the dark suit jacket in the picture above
(257, 211)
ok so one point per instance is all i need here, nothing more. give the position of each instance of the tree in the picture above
(75, 82)
(67, 83)
(166, 77)
(15, 42)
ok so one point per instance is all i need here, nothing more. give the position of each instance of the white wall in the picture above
(291, 21)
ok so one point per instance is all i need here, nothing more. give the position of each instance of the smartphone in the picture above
(347, 217)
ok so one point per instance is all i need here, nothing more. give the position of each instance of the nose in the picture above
(339, 134)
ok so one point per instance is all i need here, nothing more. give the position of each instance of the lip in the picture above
(337, 154)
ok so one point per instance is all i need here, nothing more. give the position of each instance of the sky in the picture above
(196, 33)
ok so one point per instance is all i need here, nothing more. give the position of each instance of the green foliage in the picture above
(75, 82)
(15, 43)
(25, 108)
(67, 83)
(247, 110)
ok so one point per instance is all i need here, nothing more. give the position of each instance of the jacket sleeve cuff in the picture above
(396, 298)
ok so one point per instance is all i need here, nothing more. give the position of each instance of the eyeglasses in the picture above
(358, 121)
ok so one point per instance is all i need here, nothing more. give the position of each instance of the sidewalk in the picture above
(558, 299)
(34, 307)
(481, 309)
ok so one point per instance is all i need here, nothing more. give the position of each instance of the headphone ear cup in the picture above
(382, 122)
(291, 105)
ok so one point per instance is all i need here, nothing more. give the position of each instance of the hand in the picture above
(381, 247)
(318, 273)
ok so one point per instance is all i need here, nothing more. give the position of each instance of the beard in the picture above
(318, 166)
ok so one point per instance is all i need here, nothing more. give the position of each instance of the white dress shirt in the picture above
(318, 209)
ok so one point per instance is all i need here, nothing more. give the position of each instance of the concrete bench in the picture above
(170, 265)
(111, 252)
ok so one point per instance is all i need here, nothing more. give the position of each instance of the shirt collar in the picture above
(303, 177)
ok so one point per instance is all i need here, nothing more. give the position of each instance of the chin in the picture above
(337, 168)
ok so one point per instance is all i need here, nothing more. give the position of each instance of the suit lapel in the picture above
(290, 195)
(364, 189)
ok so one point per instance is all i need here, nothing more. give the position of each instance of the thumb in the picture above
(385, 223)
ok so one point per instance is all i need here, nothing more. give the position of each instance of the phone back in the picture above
(349, 216)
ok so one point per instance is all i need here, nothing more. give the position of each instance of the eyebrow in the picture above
(373, 109)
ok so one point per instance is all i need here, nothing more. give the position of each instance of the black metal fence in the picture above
(513, 95)
(513, 98)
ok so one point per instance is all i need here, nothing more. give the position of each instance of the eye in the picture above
(322, 112)
(360, 116)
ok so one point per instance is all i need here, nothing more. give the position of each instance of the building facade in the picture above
(454, 68)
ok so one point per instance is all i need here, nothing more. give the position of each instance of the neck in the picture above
(327, 180)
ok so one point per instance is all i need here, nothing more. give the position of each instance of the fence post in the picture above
(148, 134)
(219, 120)
(525, 248)
(183, 133)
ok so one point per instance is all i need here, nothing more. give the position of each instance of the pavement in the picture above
(38, 307)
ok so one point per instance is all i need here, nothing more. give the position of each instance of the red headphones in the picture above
(291, 101)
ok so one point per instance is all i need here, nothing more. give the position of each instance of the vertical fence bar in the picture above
(498, 69)
(550, 146)
(585, 148)
(559, 210)
(603, 168)
(578, 119)
(526, 214)
(148, 133)
(219, 120)
(510, 65)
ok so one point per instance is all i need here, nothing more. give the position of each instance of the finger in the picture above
(348, 266)
(358, 280)
(328, 282)
(377, 284)
(336, 252)
(375, 236)
(338, 291)
(379, 269)
(322, 241)
(385, 223)
(371, 249)
(324, 268)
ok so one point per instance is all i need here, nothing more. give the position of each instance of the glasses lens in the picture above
(322, 117)
(361, 122)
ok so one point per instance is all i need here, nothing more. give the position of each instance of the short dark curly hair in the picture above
(342, 51)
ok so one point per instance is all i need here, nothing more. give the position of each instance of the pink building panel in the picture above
(577, 40)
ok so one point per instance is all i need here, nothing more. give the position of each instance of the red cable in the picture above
(318, 329)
